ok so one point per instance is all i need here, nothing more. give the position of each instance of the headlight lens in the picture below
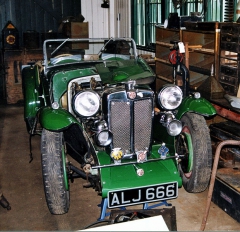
(174, 128)
(170, 97)
(104, 138)
(86, 103)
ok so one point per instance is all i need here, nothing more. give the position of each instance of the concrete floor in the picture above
(21, 184)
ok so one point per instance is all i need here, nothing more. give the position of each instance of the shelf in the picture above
(202, 50)
(229, 57)
(203, 54)
(165, 60)
(165, 78)
(205, 64)
(198, 38)
(164, 71)
(203, 67)
(167, 34)
(196, 78)
(164, 44)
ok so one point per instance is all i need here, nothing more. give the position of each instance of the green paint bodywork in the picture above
(125, 176)
(199, 106)
(123, 70)
(61, 79)
(65, 173)
(111, 72)
(190, 151)
(56, 119)
(190, 104)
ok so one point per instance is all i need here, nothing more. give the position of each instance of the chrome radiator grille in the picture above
(131, 124)
(142, 124)
(121, 125)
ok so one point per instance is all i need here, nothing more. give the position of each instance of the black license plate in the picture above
(144, 194)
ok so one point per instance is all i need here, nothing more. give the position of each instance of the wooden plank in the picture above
(202, 50)
(164, 44)
(163, 60)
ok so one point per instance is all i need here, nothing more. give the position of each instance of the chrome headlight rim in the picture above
(164, 102)
(103, 142)
(87, 108)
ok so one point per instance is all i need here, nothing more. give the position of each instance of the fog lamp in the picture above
(174, 128)
(103, 138)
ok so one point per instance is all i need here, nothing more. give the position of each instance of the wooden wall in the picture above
(31, 15)
(37, 15)
(44, 15)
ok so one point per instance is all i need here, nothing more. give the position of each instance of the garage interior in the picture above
(211, 37)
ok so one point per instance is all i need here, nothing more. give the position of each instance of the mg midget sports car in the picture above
(91, 101)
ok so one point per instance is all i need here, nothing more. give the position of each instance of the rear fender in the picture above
(56, 119)
(199, 106)
(30, 86)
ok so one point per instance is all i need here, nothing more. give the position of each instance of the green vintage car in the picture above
(91, 100)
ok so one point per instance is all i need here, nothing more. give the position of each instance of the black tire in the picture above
(54, 172)
(195, 166)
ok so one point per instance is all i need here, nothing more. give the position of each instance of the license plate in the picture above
(144, 194)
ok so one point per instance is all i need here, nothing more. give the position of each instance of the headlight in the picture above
(86, 103)
(170, 97)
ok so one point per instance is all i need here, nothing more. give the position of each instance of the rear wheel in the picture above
(194, 143)
(55, 177)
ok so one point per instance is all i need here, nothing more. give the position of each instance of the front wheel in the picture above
(54, 172)
(194, 143)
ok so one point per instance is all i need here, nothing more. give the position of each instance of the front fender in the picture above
(56, 119)
(199, 106)
(30, 87)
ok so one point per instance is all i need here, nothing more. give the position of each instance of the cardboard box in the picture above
(76, 30)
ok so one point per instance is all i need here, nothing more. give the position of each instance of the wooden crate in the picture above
(76, 30)
(226, 192)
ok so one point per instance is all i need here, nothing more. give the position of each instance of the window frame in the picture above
(143, 28)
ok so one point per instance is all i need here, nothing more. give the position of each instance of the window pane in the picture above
(140, 22)
(155, 18)
(148, 13)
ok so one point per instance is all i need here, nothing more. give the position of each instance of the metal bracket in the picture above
(104, 205)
